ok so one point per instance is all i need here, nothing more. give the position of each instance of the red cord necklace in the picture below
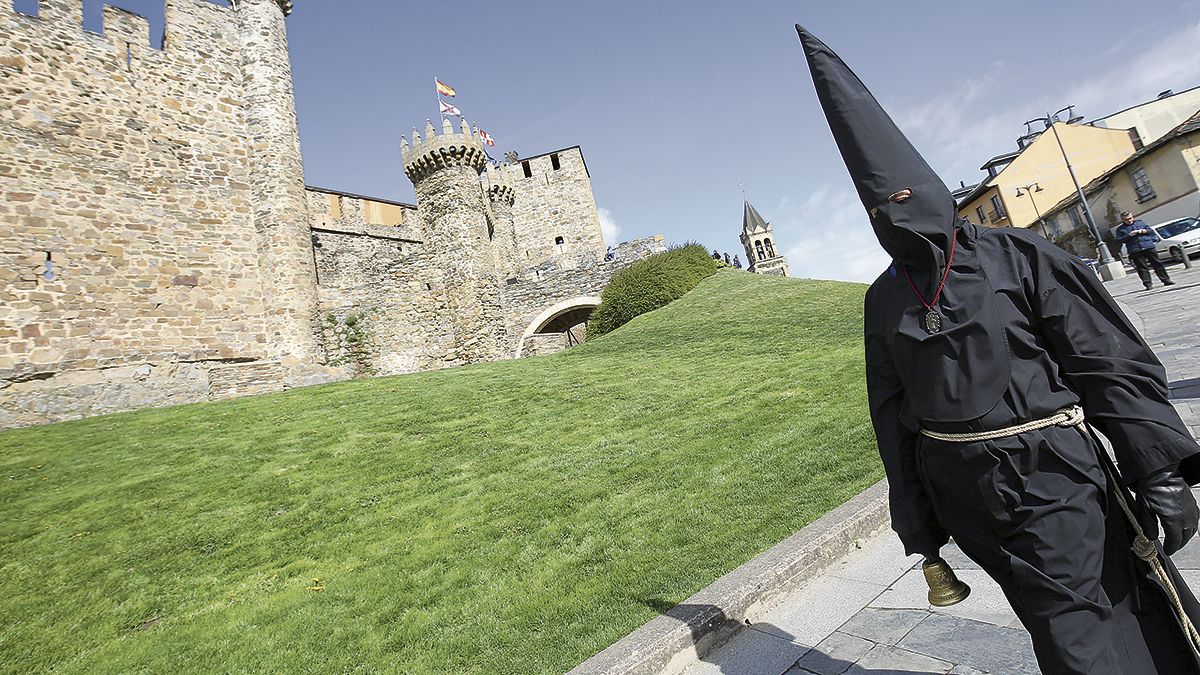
(932, 321)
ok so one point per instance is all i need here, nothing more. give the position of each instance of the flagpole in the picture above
(438, 95)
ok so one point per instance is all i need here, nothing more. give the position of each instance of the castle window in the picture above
(770, 248)
(554, 162)
(759, 250)
(526, 169)
(48, 275)
(26, 7)
(558, 241)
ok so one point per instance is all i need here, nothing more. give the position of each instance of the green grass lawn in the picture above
(511, 517)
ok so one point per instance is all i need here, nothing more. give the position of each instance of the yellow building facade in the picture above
(995, 201)
(1159, 183)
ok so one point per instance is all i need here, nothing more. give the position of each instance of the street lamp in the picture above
(1029, 190)
(1105, 257)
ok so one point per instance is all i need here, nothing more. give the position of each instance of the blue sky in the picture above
(675, 102)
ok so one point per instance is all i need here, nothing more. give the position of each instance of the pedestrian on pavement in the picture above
(991, 354)
(1139, 239)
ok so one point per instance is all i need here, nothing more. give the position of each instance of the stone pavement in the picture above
(869, 614)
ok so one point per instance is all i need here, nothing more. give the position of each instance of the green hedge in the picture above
(649, 284)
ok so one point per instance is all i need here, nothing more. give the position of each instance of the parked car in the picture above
(1178, 237)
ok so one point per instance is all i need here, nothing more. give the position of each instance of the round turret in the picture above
(436, 152)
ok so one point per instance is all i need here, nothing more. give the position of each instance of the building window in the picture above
(759, 250)
(526, 169)
(998, 212)
(559, 241)
(554, 162)
(982, 216)
(1076, 217)
(1141, 184)
(770, 248)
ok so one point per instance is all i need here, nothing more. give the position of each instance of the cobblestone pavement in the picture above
(869, 614)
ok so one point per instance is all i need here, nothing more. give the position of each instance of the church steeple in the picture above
(759, 241)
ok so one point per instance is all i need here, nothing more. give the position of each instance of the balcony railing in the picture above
(996, 216)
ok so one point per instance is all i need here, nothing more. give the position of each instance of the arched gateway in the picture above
(558, 319)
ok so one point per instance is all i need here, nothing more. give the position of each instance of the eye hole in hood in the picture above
(881, 161)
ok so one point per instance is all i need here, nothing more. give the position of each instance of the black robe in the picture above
(1028, 330)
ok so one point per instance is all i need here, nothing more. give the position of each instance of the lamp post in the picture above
(1106, 259)
(1029, 190)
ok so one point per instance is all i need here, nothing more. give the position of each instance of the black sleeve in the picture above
(913, 516)
(1102, 357)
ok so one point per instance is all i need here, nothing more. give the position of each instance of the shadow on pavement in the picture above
(709, 624)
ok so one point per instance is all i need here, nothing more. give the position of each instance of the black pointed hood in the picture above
(881, 162)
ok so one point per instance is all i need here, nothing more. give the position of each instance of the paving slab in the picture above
(752, 652)
(834, 654)
(889, 660)
(993, 649)
(883, 626)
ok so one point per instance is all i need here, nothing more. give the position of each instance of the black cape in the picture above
(1026, 331)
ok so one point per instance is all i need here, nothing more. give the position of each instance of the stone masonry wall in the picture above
(547, 286)
(556, 203)
(277, 184)
(129, 257)
(383, 303)
(126, 233)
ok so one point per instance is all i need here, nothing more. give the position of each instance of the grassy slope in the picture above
(509, 517)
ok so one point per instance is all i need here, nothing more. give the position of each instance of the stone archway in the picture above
(558, 318)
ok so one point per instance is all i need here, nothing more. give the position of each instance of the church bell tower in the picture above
(759, 242)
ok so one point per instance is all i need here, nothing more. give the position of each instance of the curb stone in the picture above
(715, 614)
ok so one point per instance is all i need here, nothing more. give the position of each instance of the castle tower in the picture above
(759, 241)
(499, 186)
(277, 182)
(453, 210)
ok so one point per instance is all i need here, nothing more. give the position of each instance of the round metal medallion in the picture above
(933, 322)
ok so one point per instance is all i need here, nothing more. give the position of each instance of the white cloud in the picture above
(608, 227)
(982, 115)
(829, 236)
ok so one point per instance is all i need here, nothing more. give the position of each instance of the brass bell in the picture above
(944, 588)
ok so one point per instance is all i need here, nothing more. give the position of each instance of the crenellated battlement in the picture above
(125, 29)
(425, 156)
(498, 184)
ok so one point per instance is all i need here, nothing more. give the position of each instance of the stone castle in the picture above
(158, 244)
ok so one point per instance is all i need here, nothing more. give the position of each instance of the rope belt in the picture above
(1067, 417)
(1142, 547)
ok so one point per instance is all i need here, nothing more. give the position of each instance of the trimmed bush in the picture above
(649, 284)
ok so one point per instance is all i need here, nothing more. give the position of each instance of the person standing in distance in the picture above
(1139, 239)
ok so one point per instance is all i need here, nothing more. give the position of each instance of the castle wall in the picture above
(128, 252)
(329, 208)
(546, 286)
(277, 184)
(553, 203)
(158, 246)
(384, 308)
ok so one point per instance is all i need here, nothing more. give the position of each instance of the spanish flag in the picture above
(443, 88)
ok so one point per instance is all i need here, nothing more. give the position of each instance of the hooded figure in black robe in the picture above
(1022, 330)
